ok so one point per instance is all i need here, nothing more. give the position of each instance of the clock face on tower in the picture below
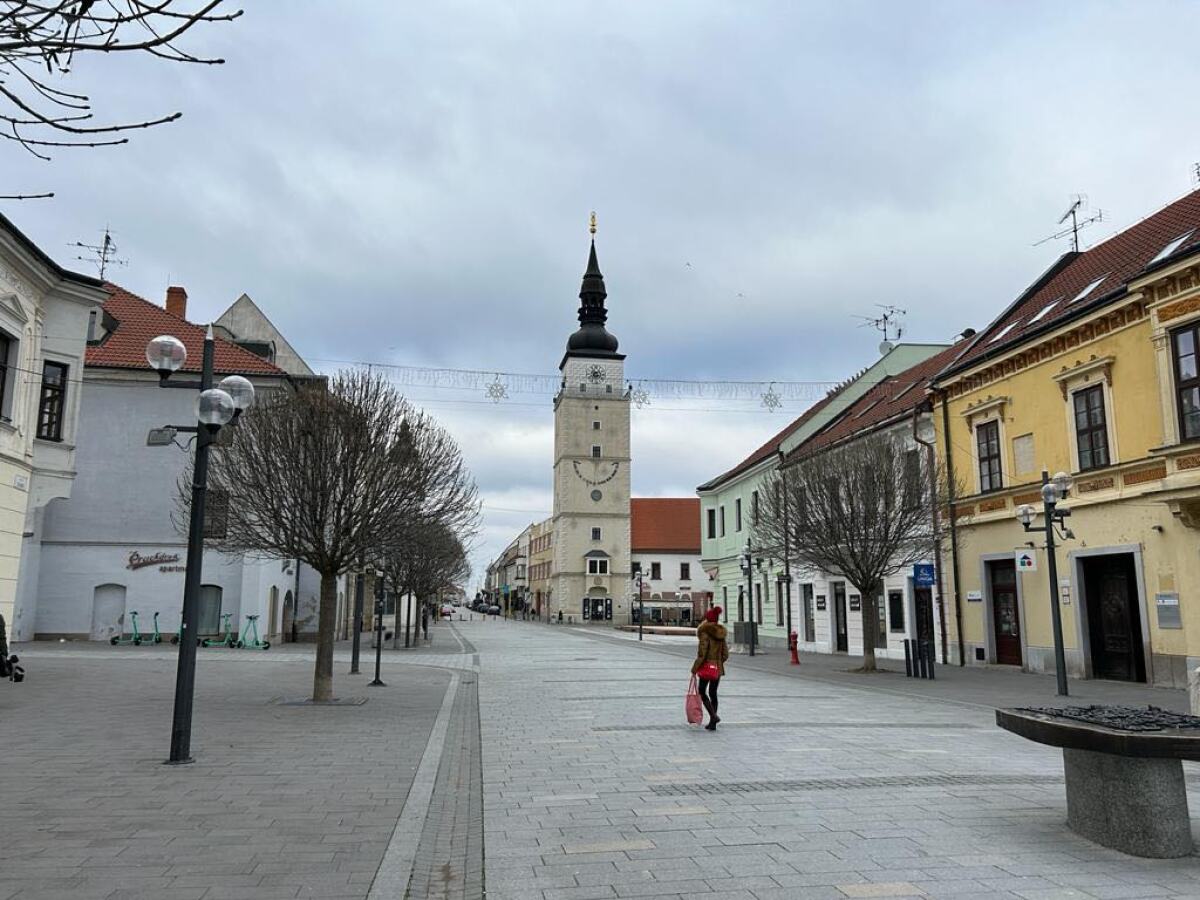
(597, 374)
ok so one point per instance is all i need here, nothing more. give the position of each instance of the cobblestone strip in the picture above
(449, 861)
(392, 877)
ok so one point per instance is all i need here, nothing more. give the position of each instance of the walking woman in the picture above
(710, 662)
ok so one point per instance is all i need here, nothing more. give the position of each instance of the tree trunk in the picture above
(870, 625)
(326, 625)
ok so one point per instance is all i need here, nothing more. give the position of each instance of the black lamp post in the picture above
(1054, 490)
(641, 602)
(215, 408)
(379, 597)
(748, 563)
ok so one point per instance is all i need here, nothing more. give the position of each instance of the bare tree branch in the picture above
(330, 476)
(862, 510)
(39, 42)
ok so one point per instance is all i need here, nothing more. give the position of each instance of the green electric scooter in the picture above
(226, 639)
(135, 636)
(155, 638)
(255, 643)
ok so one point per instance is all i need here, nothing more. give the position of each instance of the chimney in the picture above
(177, 302)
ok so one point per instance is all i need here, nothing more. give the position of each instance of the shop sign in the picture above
(923, 575)
(162, 560)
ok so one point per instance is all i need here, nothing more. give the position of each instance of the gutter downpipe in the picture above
(931, 456)
(953, 526)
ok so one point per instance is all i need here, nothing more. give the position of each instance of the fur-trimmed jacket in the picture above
(712, 647)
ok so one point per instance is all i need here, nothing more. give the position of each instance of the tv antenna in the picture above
(101, 255)
(1078, 204)
(889, 323)
(1196, 174)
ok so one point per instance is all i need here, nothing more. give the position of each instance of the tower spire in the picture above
(592, 339)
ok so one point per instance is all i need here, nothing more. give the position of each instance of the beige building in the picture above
(591, 469)
(46, 316)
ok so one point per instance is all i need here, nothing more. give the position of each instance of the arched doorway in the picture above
(289, 615)
(108, 611)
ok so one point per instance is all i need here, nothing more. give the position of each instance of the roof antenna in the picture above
(100, 255)
(888, 323)
(1078, 204)
(1196, 174)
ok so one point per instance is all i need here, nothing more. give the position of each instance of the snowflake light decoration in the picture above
(640, 397)
(496, 391)
(771, 399)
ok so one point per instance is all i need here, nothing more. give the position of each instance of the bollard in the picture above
(908, 658)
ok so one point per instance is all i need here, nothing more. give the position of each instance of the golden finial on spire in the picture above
(592, 223)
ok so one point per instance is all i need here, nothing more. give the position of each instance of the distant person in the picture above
(711, 653)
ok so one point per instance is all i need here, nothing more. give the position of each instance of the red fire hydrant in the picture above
(793, 640)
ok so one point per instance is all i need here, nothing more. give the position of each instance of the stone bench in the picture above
(1124, 775)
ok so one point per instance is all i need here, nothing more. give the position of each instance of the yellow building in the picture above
(1092, 371)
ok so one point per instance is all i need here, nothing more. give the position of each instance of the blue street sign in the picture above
(923, 575)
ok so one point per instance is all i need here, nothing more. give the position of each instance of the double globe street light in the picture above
(215, 408)
(1054, 491)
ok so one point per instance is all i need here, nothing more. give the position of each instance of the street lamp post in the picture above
(786, 578)
(215, 408)
(641, 603)
(1054, 491)
(379, 598)
(748, 571)
(359, 587)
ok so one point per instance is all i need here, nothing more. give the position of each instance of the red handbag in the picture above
(709, 671)
(692, 705)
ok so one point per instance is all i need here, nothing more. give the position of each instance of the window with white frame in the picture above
(1091, 427)
(655, 571)
(596, 533)
(595, 451)
(597, 566)
(987, 443)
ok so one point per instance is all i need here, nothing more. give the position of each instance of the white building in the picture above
(45, 312)
(665, 549)
(114, 547)
(591, 468)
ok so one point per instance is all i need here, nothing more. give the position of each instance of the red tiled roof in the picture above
(1110, 266)
(139, 320)
(898, 395)
(665, 524)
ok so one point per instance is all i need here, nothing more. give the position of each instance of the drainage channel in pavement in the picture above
(449, 858)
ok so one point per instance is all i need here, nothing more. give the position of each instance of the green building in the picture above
(729, 505)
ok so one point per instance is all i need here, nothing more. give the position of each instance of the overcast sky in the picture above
(410, 183)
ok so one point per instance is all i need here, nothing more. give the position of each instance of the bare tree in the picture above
(326, 475)
(39, 41)
(862, 510)
(421, 561)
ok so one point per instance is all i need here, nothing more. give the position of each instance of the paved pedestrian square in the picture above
(816, 784)
(519, 761)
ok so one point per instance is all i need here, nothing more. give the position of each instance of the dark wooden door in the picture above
(924, 612)
(1114, 627)
(839, 617)
(1006, 617)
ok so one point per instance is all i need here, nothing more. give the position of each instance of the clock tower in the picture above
(591, 467)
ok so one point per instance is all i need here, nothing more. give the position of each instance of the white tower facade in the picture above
(591, 580)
